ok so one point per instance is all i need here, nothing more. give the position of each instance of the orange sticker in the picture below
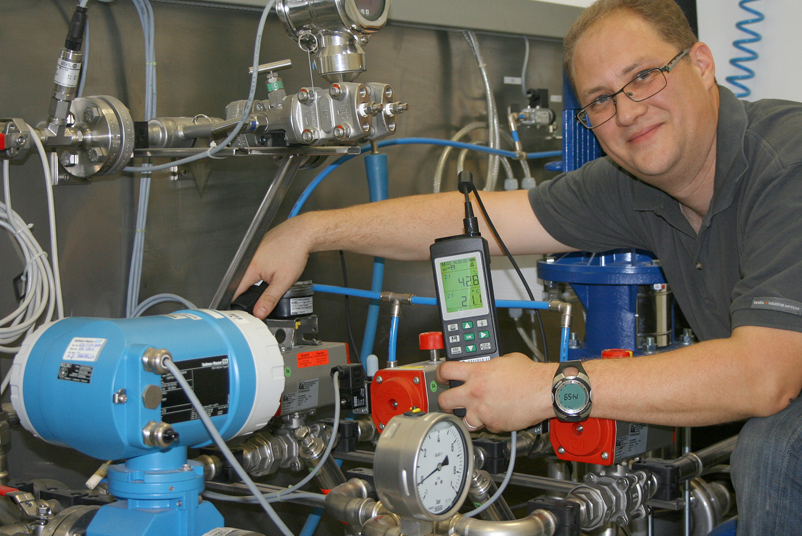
(313, 359)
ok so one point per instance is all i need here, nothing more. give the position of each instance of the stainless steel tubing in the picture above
(381, 526)
(693, 464)
(259, 225)
(538, 523)
(539, 482)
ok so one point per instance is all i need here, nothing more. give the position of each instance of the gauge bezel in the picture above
(396, 460)
(302, 16)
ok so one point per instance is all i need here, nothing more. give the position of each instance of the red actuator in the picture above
(590, 441)
(2, 142)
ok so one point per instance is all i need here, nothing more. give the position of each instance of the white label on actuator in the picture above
(83, 349)
(181, 316)
(301, 306)
(67, 73)
(213, 313)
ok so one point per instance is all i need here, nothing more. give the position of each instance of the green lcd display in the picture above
(461, 282)
(572, 397)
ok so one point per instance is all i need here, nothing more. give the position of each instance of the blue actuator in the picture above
(82, 383)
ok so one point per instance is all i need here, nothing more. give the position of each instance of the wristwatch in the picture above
(570, 393)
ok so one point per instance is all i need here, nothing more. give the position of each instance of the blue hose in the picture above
(379, 188)
(296, 209)
(391, 355)
(423, 300)
(564, 334)
(751, 55)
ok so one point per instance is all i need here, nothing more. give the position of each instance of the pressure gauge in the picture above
(363, 17)
(423, 465)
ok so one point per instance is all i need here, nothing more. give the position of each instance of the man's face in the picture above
(666, 138)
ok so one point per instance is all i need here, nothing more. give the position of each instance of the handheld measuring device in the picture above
(465, 297)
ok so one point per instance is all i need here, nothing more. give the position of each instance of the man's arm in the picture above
(756, 372)
(402, 229)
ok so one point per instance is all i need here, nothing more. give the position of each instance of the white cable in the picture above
(234, 133)
(250, 499)
(51, 212)
(40, 299)
(161, 298)
(503, 486)
(221, 444)
(525, 67)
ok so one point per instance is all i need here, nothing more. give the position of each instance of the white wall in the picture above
(777, 70)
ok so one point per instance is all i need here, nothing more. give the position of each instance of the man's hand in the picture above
(279, 261)
(510, 392)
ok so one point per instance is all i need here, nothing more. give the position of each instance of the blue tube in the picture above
(564, 344)
(751, 55)
(379, 189)
(391, 356)
(358, 293)
(423, 300)
(317, 180)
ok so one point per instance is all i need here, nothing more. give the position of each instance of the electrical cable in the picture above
(161, 298)
(525, 67)
(250, 499)
(348, 305)
(507, 477)
(85, 61)
(51, 216)
(740, 44)
(492, 113)
(529, 342)
(221, 444)
(246, 112)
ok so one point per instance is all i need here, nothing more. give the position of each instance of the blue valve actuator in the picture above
(81, 382)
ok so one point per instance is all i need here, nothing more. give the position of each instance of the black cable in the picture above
(506, 251)
(348, 306)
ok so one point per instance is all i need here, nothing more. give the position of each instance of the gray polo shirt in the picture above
(745, 266)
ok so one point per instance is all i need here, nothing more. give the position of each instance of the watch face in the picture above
(571, 396)
(442, 466)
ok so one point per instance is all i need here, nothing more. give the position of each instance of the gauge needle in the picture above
(439, 466)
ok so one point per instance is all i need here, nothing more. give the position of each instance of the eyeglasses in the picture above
(646, 84)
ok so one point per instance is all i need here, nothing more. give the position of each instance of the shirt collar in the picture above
(730, 164)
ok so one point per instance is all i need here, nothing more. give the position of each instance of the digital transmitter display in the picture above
(461, 283)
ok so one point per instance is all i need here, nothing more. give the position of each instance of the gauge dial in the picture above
(423, 465)
(441, 467)
(370, 9)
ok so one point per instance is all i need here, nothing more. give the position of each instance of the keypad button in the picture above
(453, 339)
(456, 350)
(470, 336)
(467, 325)
(470, 347)
(481, 323)
(453, 327)
(484, 334)
(484, 346)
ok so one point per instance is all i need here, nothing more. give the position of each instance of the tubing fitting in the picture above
(565, 309)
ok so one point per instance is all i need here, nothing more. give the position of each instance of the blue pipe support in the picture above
(378, 187)
(159, 493)
(607, 286)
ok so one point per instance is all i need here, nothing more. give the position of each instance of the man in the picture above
(710, 184)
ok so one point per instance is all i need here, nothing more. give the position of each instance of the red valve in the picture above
(2, 142)
(431, 340)
(615, 353)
